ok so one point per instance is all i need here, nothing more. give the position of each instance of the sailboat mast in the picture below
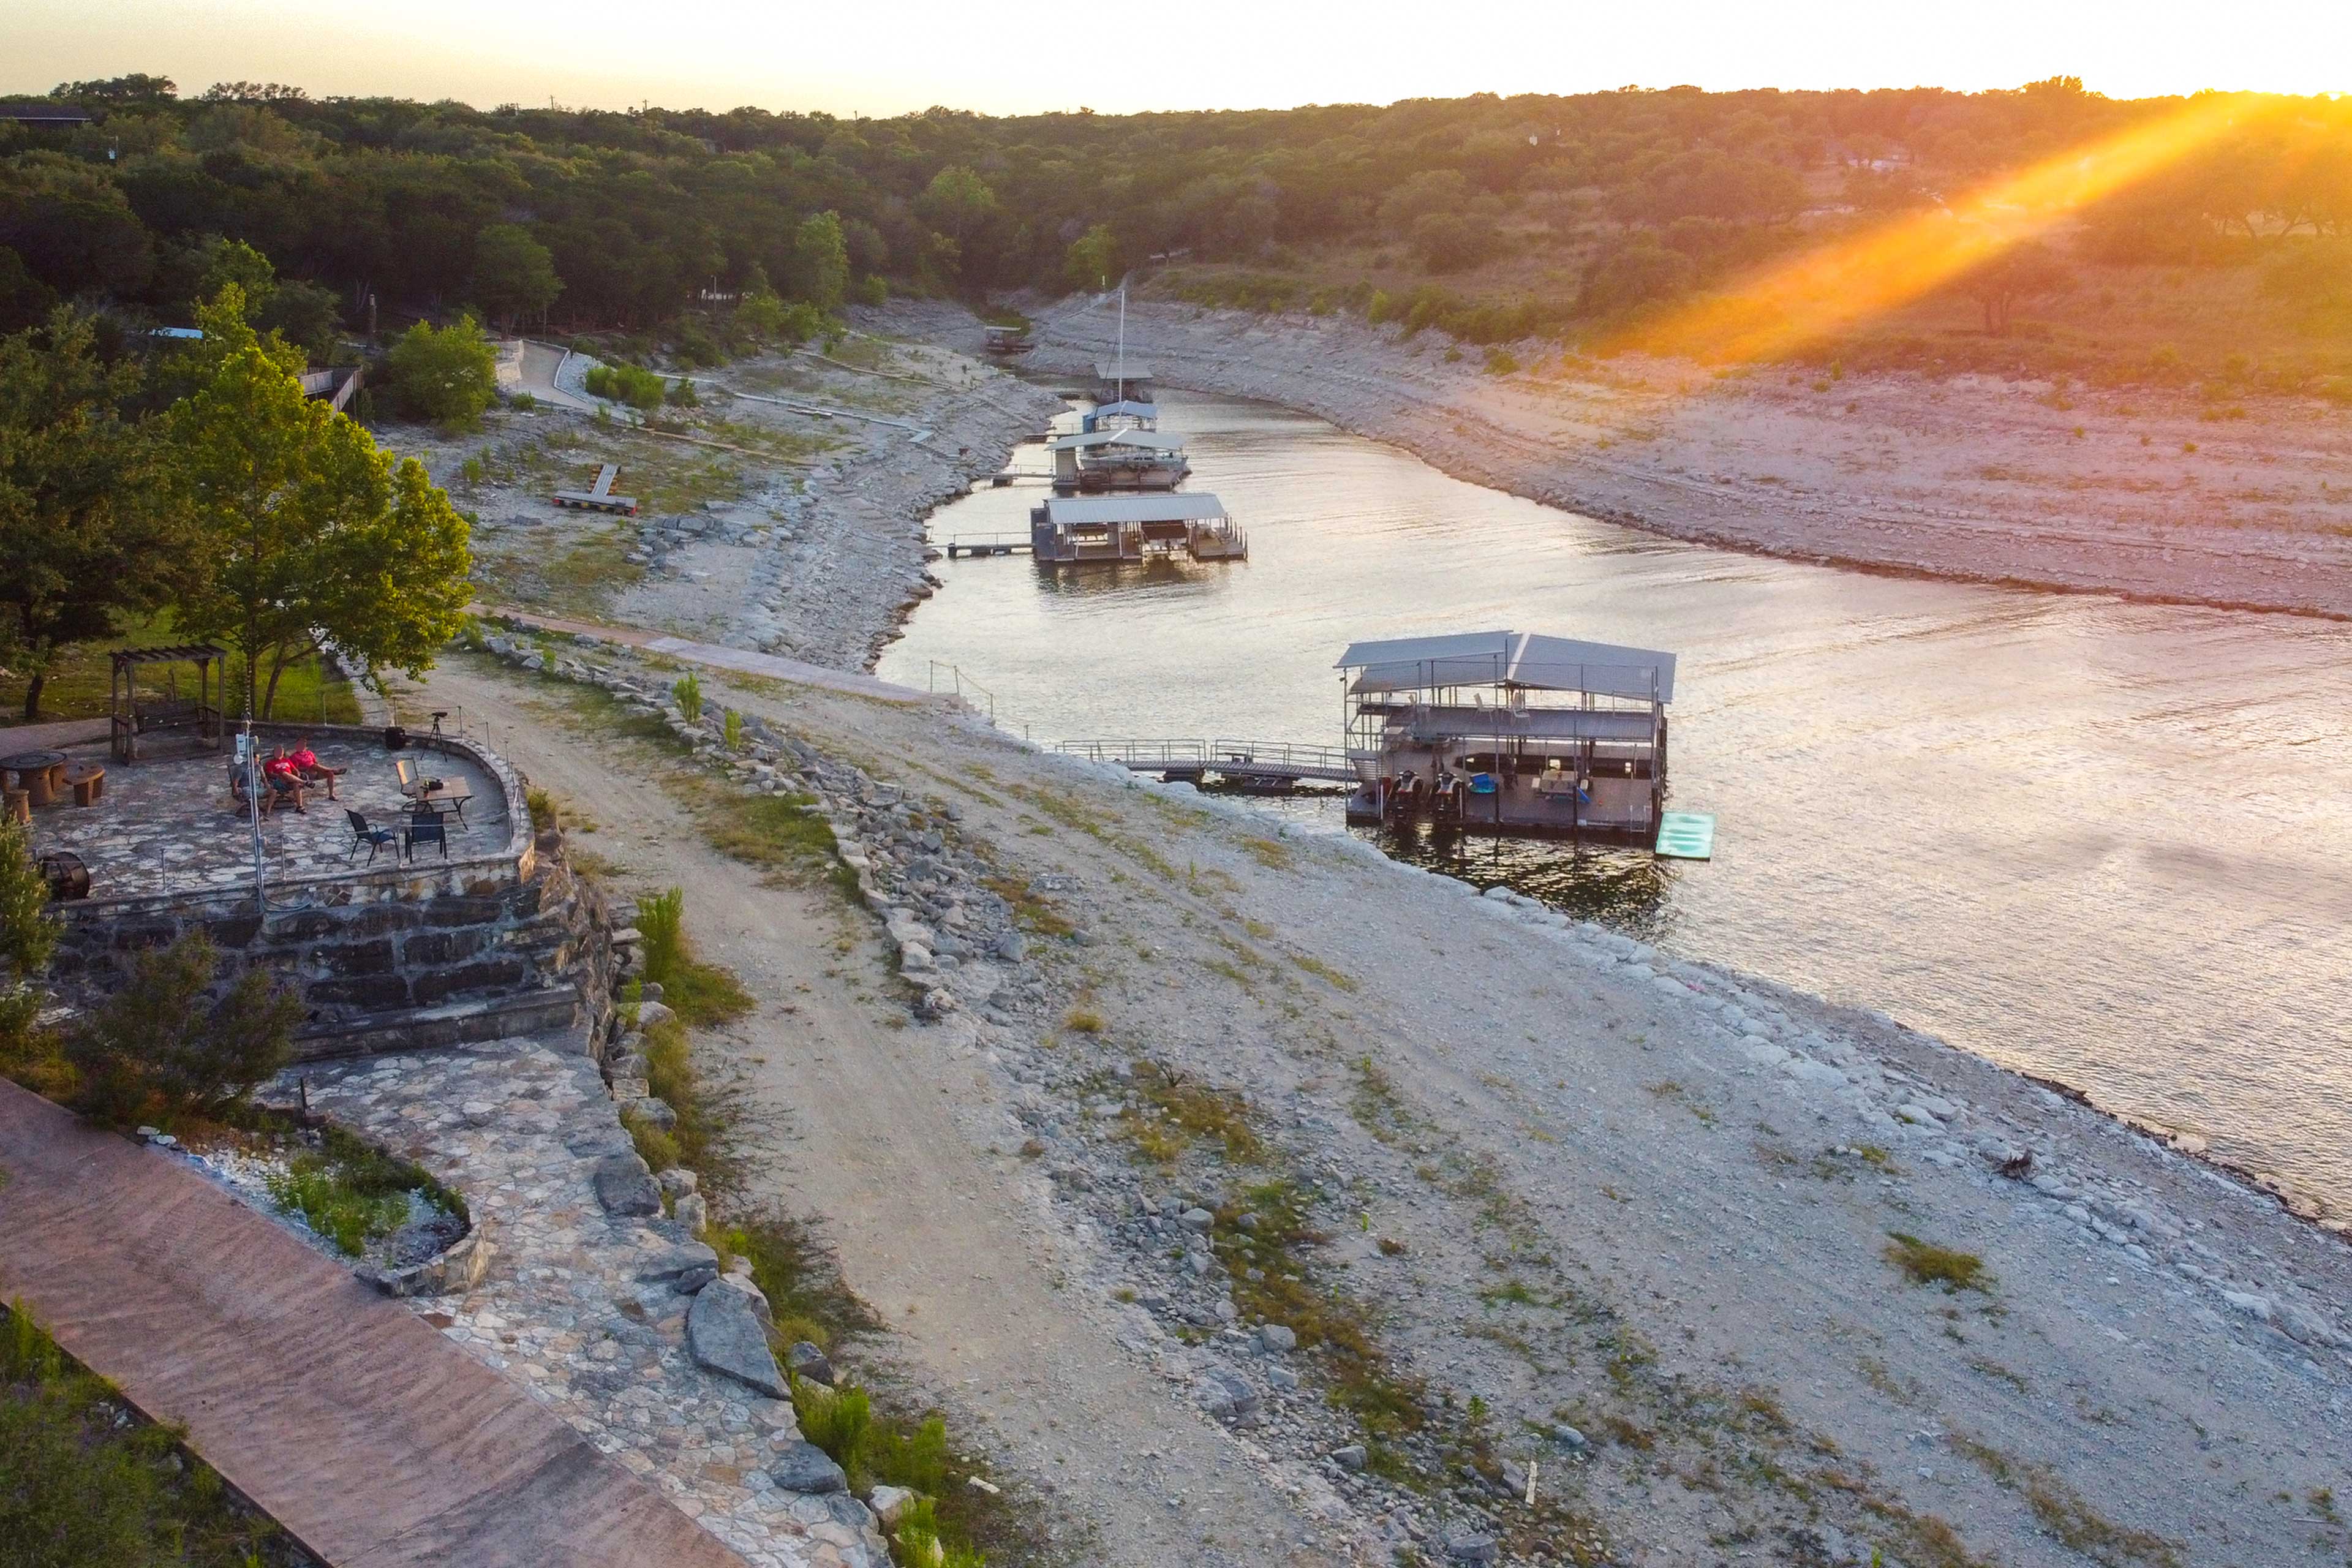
(1121, 377)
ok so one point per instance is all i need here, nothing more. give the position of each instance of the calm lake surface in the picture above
(2109, 844)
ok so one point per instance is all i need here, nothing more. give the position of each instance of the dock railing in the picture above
(1287, 758)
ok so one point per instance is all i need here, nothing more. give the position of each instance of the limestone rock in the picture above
(724, 1335)
(623, 1185)
(889, 1504)
(805, 1467)
(807, 1360)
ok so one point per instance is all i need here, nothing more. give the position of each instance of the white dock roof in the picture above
(1156, 440)
(1083, 512)
(1130, 408)
(1515, 658)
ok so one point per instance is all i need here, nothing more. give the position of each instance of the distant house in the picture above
(43, 114)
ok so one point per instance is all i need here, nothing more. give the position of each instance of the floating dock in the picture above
(1088, 530)
(1245, 765)
(1121, 457)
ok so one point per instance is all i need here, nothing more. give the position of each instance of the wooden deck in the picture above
(373, 1440)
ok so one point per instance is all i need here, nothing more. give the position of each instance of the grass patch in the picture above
(1923, 1263)
(1084, 1021)
(2064, 1513)
(1173, 1113)
(345, 1188)
(700, 993)
(1030, 910)
(1273, 856)
(952, 1523)
(1334, 978)
(85, 1483)
(769, 831)
(77, 682)
(1330, 1326)
(575, 573)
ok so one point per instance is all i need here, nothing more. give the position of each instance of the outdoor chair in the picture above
(426, 826)
(412, 785)
(374, 838)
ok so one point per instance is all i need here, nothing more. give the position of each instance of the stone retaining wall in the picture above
(481, 946)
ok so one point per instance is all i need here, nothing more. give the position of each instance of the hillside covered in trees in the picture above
(1495, 219)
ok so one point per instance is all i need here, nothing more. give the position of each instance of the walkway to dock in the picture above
(373, 1440)
(717, 656)
(1230, 759)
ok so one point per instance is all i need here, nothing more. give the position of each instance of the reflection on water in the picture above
(2108, 842)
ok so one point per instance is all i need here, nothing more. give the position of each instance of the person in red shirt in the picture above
(308, 765)
(284, 778)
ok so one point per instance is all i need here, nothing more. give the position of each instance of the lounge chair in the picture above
(374, 838)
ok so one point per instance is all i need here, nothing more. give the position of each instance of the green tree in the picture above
(821, 261)
(514, 275)
(230, 261)
(162, 1047)
(2021, 272)
(82, 532)
(312, 535)
(1093, 258)
(448, 375)
(27, 936)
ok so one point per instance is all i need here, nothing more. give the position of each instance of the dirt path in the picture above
(911, 1159)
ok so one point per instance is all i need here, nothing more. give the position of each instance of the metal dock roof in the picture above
(1122, 369)
(1509, 658)
(1085, 511)
(1157, 440)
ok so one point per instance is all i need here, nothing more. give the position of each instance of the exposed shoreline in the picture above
(1554, 1155)
(1887, 474)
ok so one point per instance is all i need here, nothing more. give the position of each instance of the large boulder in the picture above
(805, 1467)
(624, 1186)
(724, 1333)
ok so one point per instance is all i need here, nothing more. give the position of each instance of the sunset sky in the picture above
(1210, 54)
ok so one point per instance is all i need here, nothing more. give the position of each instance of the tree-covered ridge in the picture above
(436, 204)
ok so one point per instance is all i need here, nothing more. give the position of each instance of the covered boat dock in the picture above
(1078, 531)
(1509, 732)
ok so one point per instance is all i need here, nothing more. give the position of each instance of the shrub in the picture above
(683, 394)
(448, 376)
(523, 401)
(1927, 1264)
(732, 729)
(473, 471)
(639, 388)
(28, 935)
(872, 290)
(687, 690)
(661, 920)
(156, 1050)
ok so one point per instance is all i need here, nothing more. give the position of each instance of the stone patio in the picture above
(169, 825)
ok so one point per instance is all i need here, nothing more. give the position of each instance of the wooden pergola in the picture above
(133, 718)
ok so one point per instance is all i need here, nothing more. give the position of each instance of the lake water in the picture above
(2109, 844)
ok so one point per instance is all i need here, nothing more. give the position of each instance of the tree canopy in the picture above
(313, 537)
(83, 531)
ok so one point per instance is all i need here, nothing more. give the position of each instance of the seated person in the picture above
(308, 765)
(236, 788)
(284, 779)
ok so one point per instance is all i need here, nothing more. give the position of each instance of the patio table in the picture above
(40, 774)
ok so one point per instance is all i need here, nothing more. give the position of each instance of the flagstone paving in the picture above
(169, 825)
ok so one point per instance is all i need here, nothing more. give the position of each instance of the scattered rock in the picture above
(1278, 1338)
(890, 1504)
(692, 1212)
(806, 1360)
(1223, 1395)
(1472, 1548)
(1352, 1457)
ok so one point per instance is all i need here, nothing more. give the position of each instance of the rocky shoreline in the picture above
(2147, 494)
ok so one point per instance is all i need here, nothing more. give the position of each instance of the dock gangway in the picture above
(1230, 759)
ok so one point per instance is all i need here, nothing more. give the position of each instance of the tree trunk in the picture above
(276, 669)
(32, 696)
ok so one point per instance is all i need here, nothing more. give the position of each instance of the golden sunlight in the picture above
(1787, 304)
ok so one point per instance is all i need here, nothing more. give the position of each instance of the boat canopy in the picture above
(1095, 511)
(1118, 370)
(1526, 660)
(1129, 408)
(1153, 440)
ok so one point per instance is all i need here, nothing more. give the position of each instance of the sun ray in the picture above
(1787, 304)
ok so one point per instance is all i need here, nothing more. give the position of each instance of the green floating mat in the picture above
(1686, 835)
